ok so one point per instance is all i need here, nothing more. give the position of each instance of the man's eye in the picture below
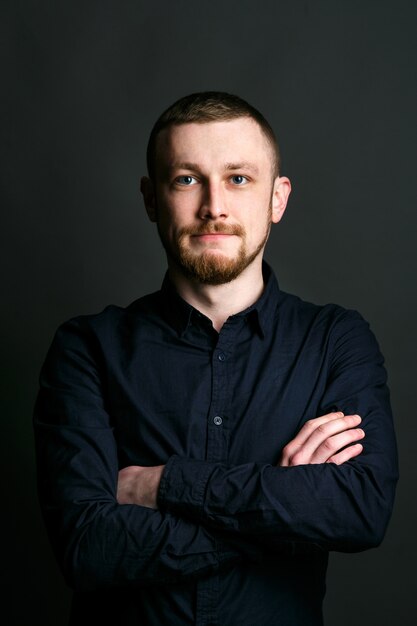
(186, 180)
(238, 179)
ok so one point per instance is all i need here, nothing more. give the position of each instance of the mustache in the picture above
(213, 228)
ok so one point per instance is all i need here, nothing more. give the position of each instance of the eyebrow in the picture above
(241, 165)
(184, 165)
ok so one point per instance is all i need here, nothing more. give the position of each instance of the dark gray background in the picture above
(82, 83)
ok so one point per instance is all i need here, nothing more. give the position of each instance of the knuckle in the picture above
(297, 459)
(328, 445)
(352, 433)
(335, 460)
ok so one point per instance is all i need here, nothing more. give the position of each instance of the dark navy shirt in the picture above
(236, 540)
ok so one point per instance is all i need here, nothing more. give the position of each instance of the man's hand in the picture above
(327, 439)
(139, 485)
(323, 440)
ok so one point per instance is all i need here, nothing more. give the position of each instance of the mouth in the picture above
(212, 236)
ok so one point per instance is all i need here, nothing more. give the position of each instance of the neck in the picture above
(218, 302)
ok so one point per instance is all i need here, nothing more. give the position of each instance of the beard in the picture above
(210, 267)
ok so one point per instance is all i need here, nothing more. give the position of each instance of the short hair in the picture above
(209, 106)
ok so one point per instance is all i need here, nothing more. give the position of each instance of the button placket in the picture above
(217, 442)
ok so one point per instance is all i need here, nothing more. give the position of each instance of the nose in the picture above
(213, 203)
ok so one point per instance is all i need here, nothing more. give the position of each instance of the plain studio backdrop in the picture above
(82, 84)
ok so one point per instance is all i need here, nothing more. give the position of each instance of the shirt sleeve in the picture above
(98, 542)
(345, 507)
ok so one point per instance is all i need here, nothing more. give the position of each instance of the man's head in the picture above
(205, 107)
(213, 186)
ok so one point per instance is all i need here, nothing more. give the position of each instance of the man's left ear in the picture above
(281, 191)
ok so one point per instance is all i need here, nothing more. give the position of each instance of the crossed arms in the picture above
(328, 439)
(111, 526)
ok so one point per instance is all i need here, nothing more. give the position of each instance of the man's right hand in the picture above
(139, 485)
(324, 440)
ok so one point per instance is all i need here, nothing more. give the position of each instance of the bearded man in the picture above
(201, 451)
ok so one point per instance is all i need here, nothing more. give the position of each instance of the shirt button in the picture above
(218, 420)
(221, 356)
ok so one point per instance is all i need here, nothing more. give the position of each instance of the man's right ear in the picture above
(147, 189)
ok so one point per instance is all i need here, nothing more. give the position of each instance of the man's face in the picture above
(214, 197)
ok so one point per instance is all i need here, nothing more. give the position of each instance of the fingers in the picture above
(324, 440)
(331, 438)
(312, 425)
(345, 455)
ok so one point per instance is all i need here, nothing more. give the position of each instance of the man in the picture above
(202, 450)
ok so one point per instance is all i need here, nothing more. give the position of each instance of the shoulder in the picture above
(330, 327)
(94, 332)
(113, 315)
(294, 309)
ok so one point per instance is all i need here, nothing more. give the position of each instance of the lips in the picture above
(213, 235)
(210, 233)
(217, 230)
(212, 240)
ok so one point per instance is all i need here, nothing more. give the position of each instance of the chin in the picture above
(213, 269)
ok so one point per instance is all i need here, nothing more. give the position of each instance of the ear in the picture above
(148, 193)
(280, 193)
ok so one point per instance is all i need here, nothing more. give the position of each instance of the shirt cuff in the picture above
(183, 486)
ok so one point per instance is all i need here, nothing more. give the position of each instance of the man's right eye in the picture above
(186, 180)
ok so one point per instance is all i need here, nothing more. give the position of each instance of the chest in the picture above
(237, 401)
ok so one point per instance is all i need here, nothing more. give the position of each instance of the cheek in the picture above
(257, 213)
(179, 208)
(258, 225)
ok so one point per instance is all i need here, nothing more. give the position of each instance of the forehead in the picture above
(240, 139)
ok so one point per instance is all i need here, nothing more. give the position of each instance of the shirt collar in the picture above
(179, 313)
(263, 310)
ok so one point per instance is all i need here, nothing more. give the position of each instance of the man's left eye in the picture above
(238, 179)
